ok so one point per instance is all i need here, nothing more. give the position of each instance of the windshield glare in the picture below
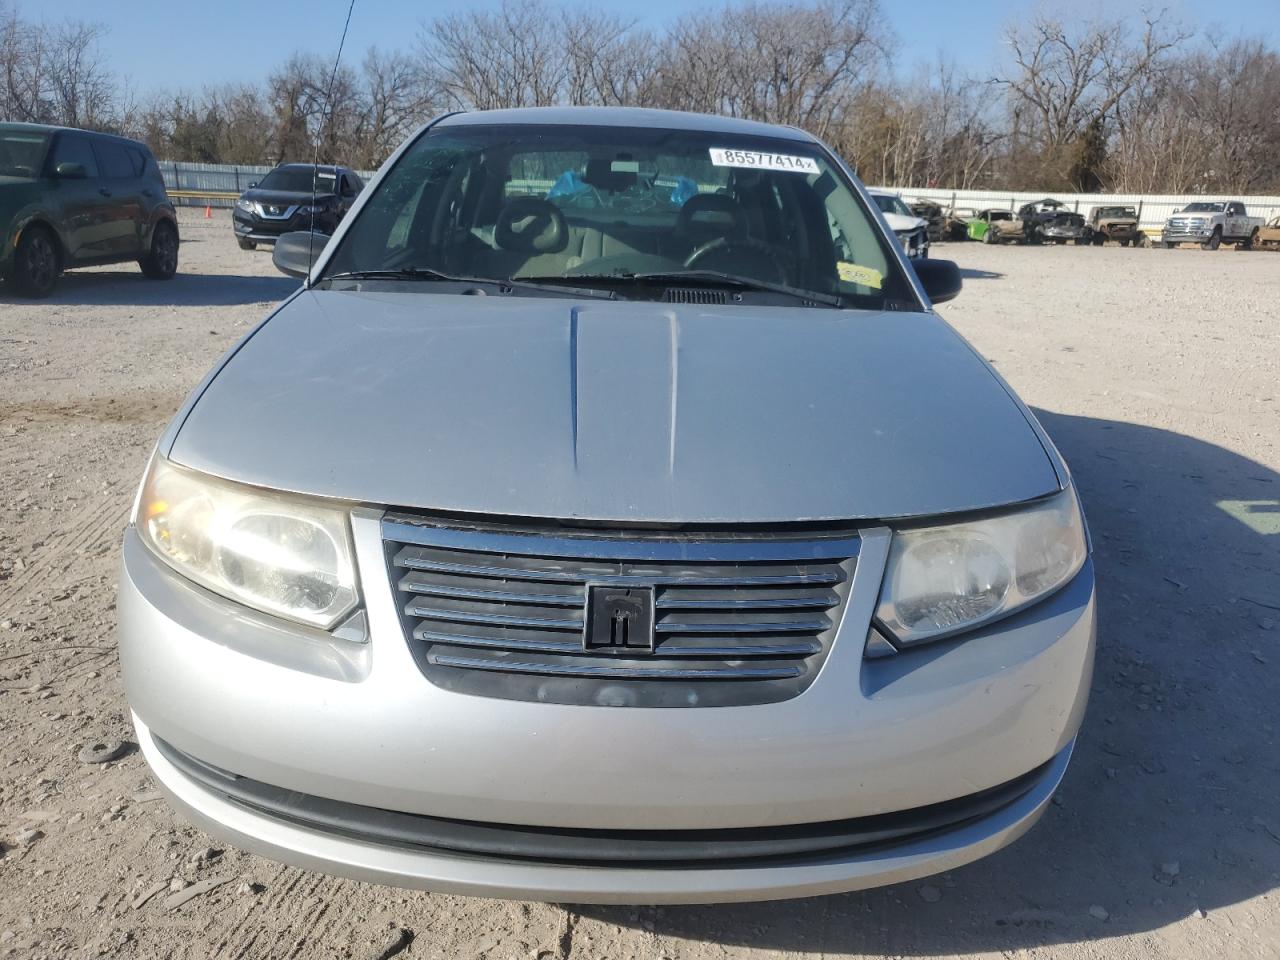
(22, 153)
(297, 180)
(610, 203)
(1204, 208)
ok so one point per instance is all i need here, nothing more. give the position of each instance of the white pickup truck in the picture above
(1212, 223)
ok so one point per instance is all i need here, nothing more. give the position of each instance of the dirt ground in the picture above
(1158, 374)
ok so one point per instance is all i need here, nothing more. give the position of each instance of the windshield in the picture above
(297, 180)
(1117, 212)
(22, 153)
(891, 204)
(1204, 208)
(614, 204)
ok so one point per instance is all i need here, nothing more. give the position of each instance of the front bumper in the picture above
(358, 723)
(330, 851)
(1055, 233)
(1185, 236)
(251, 227)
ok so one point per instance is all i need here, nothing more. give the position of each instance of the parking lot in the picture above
(1156, 371)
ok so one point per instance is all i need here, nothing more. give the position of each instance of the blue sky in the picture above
(176, 45)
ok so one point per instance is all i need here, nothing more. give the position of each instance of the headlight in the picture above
(947, 579)
(246, 205)
(277, 553)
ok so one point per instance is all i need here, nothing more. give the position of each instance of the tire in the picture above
(246, 244)
(1214, 242)
(1248, 243)
(1169, 244)
(1099, 239)
(1125, 243)
(989, 236)
(35, 263)
(162, 262)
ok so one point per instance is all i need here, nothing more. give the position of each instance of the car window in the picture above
(891, 204)
(553, 201)
(113, 161)
(298, 180)
(138, 159)
(74, 148)
(21, 153)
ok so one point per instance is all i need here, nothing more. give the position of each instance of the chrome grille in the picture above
(739, 618)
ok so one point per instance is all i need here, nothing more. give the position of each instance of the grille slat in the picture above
(740, 618)
(618, 671)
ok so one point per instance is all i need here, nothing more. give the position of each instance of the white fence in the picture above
(182, 177)
(1153, 209)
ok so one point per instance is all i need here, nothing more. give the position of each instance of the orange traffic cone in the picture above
(208, 211)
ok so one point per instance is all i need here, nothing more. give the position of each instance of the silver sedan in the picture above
(609, 517)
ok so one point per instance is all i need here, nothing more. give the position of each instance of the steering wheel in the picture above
(712, 203)
(531, 225)
(740, 255)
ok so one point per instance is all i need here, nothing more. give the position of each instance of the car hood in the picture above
(282, 197)
(900, 224)
(546, 407)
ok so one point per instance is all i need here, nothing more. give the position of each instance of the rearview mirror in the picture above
(71, 171)
(295, 252)
(940, 278)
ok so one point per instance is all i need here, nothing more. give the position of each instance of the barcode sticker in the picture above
(855, 273)
(756, 160)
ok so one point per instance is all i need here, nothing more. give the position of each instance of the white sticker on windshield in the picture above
(756, 160)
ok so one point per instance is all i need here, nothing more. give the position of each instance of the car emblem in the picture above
(273, 209)
(619, 620)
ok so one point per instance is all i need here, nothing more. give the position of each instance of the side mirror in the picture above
(940, 278)
(252, 185)
(70, 171)
(295, 252)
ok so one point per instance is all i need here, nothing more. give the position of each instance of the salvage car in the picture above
(292, 197)
(74, 198)
(1049, 221)
(994, 225)
(931, 213)
(1118, 223)
(1211, 223)
(609, 517)
(1269, 235)
(912, 231)
(956, 225)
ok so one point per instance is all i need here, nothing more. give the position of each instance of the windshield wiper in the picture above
(403, 273)
(709, 278)
(430, 275)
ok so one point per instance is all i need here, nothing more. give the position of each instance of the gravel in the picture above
(1156, 372)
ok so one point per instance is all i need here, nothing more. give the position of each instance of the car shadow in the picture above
(973, 273)
(1169, 805)
(128, 286)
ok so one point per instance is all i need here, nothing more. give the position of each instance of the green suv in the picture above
(72, 198)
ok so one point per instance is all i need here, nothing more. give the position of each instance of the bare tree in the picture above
(1072, 82)
(511, 57)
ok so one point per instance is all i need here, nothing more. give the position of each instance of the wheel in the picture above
(1248, 243)
(989, 236)
(246, 244)
(1169, 244)
(1125, 243)
(162, 262)
(1214, 242)
(35, 262)
(1099, 239)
